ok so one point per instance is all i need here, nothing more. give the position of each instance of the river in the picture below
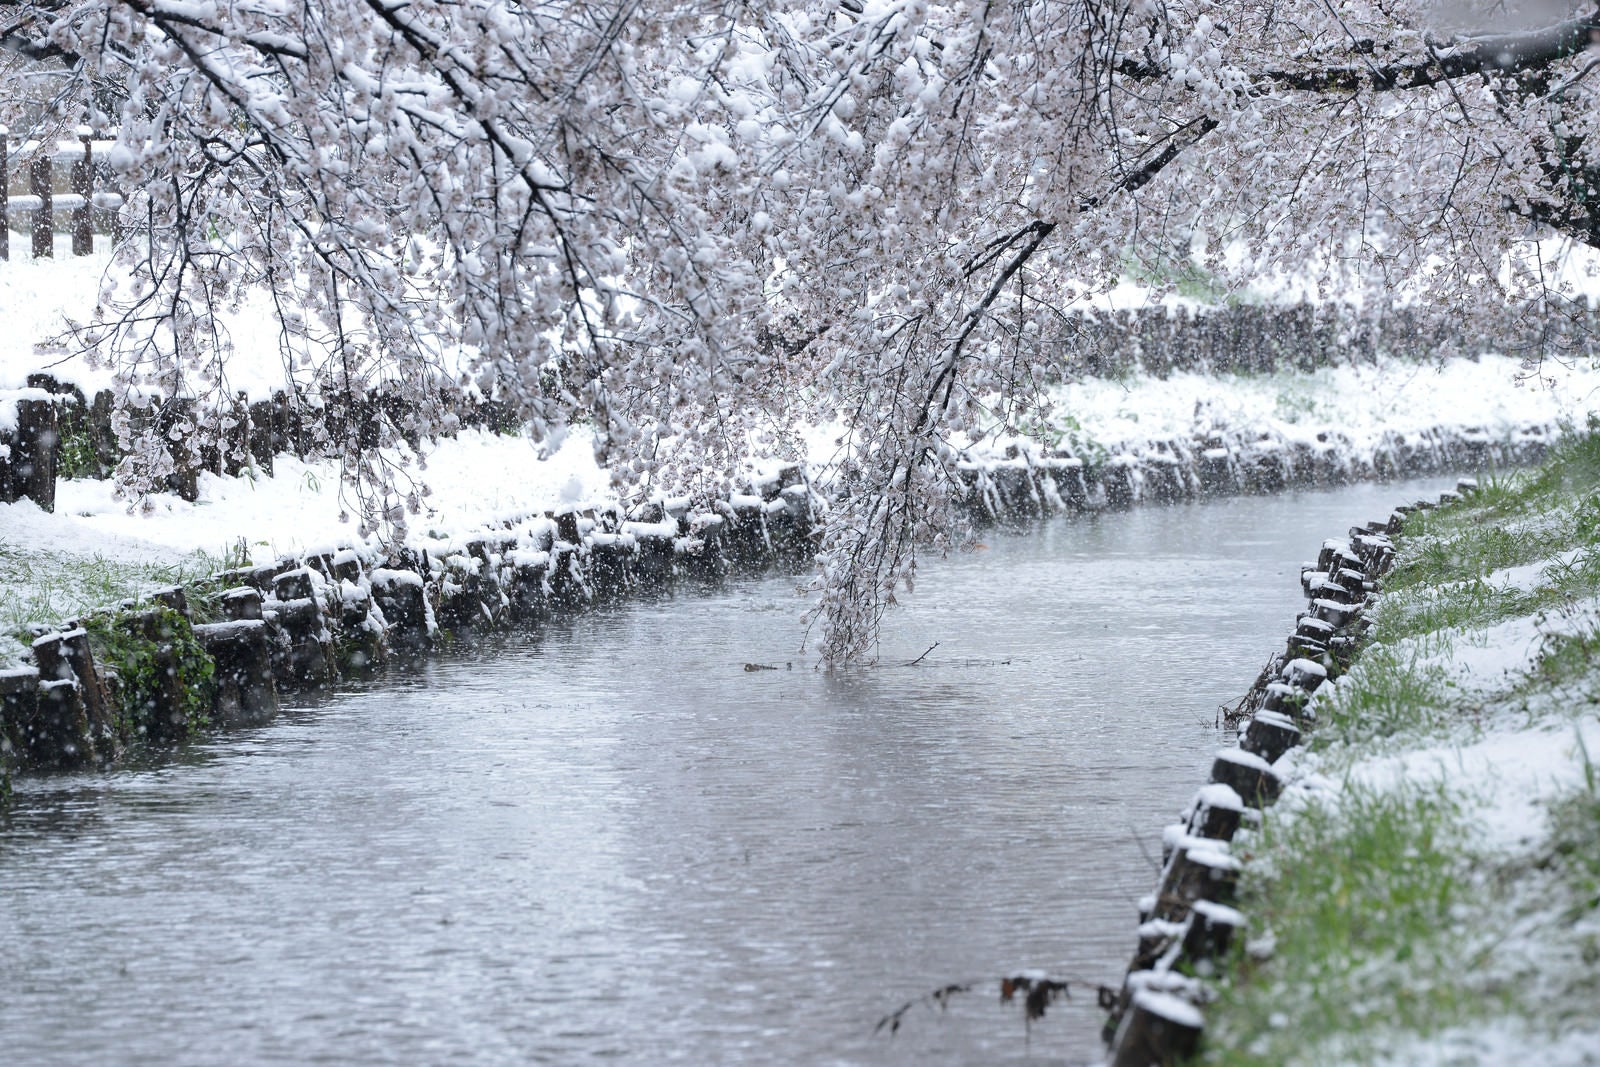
(609, 842)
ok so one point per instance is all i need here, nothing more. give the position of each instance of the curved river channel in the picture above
(609, 842)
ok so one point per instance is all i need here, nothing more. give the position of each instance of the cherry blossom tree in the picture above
(700, 226)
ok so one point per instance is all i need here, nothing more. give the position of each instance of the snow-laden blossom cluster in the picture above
(696, 226)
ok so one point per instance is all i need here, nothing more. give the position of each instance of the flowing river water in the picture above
(609, 842)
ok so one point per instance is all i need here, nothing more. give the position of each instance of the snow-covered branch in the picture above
(698, 225)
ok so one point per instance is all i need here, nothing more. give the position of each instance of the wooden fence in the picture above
(42, 201)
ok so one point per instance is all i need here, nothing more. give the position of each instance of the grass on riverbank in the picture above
(1430, 890)
(46, 587)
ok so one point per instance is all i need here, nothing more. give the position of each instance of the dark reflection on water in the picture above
(610, 842)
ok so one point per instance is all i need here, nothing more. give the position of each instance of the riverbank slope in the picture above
(1427, 891)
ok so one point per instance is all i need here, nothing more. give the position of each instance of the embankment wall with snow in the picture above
(1187, 925)
(308, 619)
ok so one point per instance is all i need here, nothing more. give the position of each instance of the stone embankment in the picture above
(1022, 482)
(220, 652)
(1188, 924)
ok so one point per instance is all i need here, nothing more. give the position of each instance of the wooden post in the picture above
(242, 604)
(1160, 1030)
(5, 195)
(401, 596)
(60, 735)
(1198, 870)
(1211, 930)
(83, 185)
(92, 688)
(19, 700)
(1249, 775)
(163, 717)
(44, 222)
(1269, 735)
(242, 651)
(33, 457)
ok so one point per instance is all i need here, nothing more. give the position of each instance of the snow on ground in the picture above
(1509, 776)
(1483, 662)
(1494, 393)
(479, 476)
(1502, 1041)
(43, 298)
(25, 527)
(38, 298)
(475, 479)
(1513, 749)
(1526, 577)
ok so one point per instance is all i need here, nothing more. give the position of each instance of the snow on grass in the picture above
(1430, 885)
(54, 568)
(1503, 1041)
(474, 479)
(1494, 394)
(96, 550)
(1510, 777)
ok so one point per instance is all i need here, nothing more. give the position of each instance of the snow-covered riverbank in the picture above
(1427, 891)
(1352, 422)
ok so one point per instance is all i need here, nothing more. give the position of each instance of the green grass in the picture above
(1575, 848)
(1392, 691)
(1573, 857)
(1368, 907)
(1473, 602)
(1449, 586)
(1388, 922)
(47, 587)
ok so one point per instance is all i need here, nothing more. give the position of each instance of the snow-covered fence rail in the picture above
(80, 200)
(1188, 924)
